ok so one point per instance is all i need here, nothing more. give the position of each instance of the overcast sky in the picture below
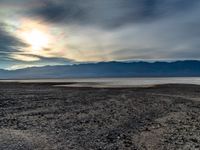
(57, 32)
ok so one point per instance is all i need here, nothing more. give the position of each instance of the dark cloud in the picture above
(51, 59)
(110, 13)
(66, 11)
(9, 63)
(42, 62)
(9, 43)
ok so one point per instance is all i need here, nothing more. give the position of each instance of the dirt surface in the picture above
(44, 117)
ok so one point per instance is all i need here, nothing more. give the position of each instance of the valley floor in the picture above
(43, 117)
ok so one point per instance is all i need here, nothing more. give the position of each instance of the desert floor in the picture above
(43, 117)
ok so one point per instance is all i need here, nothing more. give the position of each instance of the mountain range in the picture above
(187, 68)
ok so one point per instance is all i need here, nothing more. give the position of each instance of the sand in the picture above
(46, 117)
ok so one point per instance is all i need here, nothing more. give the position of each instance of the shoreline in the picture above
(97, 85)
(110, 82)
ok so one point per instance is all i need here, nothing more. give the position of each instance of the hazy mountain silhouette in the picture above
(108, 69)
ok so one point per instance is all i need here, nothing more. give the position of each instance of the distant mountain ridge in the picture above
(187, 68)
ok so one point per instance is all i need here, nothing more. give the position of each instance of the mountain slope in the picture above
(108, 69)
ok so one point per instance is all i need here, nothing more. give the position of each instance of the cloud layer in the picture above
(102, 30)
(112, 13)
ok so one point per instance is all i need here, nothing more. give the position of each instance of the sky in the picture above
(64, 32)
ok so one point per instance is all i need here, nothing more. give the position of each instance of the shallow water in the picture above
(115, 82)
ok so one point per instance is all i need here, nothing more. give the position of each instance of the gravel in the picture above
(44, 117)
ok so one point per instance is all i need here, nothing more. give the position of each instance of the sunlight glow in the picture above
(36, 35)
(37, 39)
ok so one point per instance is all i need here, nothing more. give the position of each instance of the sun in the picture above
(36, 35)
(37, 39)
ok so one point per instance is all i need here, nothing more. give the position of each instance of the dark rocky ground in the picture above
(43, 117)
